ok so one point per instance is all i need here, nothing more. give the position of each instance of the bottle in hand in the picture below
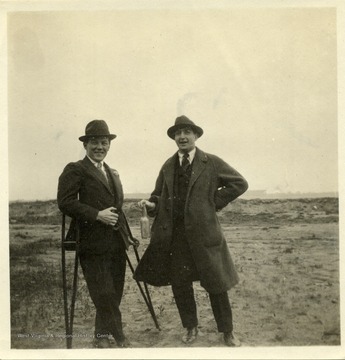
(144, 224)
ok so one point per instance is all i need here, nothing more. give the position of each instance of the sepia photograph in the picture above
(172, 185)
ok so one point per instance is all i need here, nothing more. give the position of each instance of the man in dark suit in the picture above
(91, 193)
(187, 243)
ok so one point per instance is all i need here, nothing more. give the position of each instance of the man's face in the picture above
(97, 148)
(185, 139)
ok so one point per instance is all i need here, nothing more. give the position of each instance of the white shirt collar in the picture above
(95, 162)
(191, 155)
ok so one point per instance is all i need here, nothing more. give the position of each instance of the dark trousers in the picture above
(183, 272)
(185, 301)
(104, 275)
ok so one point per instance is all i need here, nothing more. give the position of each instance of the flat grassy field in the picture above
(286, 253)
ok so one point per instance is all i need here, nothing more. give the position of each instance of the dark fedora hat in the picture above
(97, 128)
(182, 122)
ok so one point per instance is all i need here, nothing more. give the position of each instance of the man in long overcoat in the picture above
(187, 243)
(91, 193)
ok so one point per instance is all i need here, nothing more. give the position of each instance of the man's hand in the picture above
(134, 242)
(108, 216)
(149, 205)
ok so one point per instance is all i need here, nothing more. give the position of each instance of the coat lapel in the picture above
(96, 173)
(169, 174)
(199, 164)
(114, 177)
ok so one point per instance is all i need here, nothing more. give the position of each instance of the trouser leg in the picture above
(186, 305)
(104, 275)
(222, 311)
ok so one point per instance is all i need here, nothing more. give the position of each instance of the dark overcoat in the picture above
(82, 192)
(213, 184)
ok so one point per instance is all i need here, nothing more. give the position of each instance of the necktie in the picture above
(99, 167)
(185, 162)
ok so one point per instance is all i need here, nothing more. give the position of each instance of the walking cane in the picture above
(69, 316)
(146, 294)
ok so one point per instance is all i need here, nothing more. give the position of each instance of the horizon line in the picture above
(262, 193)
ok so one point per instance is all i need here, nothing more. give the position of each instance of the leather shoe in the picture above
(102, 343)
(190, 335)
(231, 340)
(123, 343)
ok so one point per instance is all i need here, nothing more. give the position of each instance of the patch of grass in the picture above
(29, 249)
(34, 280)
(18, 251)
(23, 235)
(37, 296)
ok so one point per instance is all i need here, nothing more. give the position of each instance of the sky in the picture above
(263, 81)
(260, 81)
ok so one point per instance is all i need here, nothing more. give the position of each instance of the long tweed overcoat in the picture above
(213, 184)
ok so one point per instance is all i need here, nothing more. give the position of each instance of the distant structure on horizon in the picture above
(263, 194)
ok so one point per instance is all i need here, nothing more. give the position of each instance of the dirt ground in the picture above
(286, 253)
